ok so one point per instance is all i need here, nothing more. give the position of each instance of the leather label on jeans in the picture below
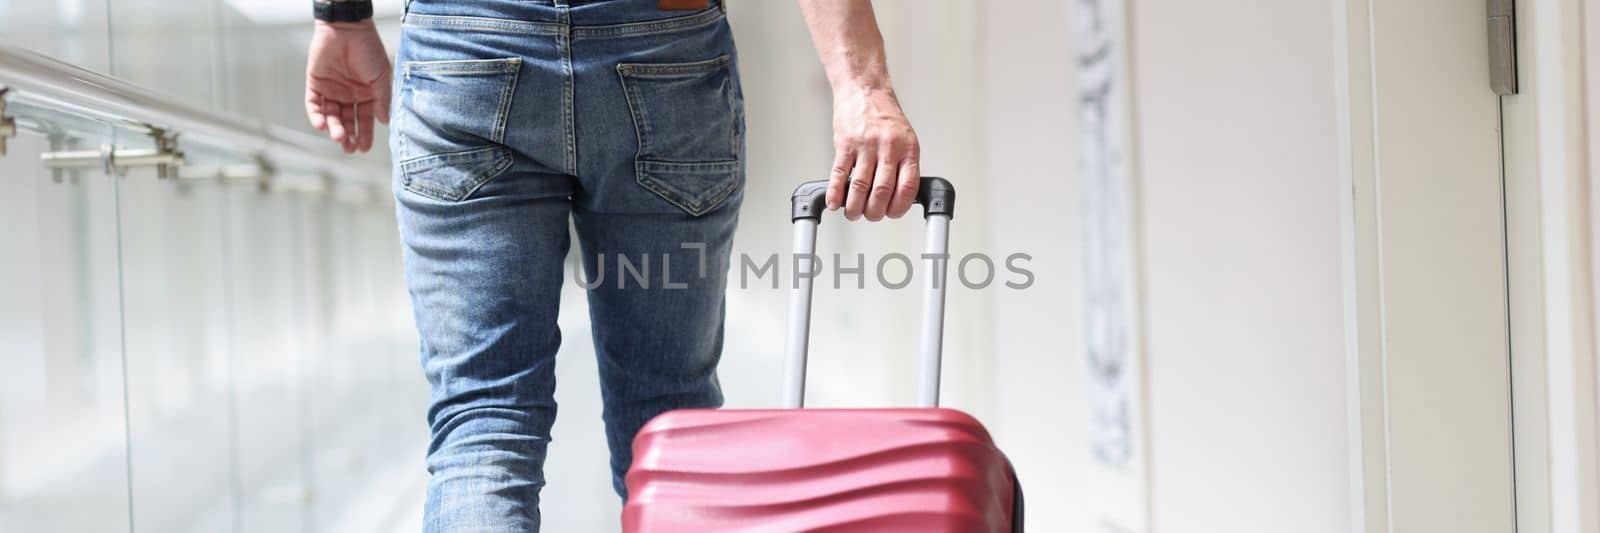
(682, 4)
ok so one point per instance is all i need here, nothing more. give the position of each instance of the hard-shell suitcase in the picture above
(924, 470)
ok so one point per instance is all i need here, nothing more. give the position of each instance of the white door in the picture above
(1427, 313)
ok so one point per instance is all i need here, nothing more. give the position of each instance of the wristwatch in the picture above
(342, 10)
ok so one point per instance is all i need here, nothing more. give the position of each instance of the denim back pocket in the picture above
(451, 124)
(689, 123)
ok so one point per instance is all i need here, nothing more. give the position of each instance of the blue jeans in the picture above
(512, 117)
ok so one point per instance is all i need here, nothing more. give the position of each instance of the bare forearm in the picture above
(876, 153)
(846, 36)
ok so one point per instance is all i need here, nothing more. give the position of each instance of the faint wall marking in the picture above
(1110, 246)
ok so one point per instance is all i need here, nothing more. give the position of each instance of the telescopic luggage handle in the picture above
(938, 200)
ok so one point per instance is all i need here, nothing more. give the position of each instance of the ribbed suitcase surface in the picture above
(817, 470)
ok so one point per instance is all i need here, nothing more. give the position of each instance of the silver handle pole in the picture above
(936, 246)
(794, 379)
(937, 197)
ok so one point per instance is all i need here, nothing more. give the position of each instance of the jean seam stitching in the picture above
(640, 122)
(502, 161)
(484, 23)
(733, 111)
(464, 67)
(675, 70)
(634, 29)
(568, 99)
(673, 197)
(400, 134)
(502, 115)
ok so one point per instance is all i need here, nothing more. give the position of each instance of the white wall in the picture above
(1030, 160)
(1237, 151)
(1237, 157)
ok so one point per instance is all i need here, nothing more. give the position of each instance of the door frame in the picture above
(1428, 370)
(1550, 254)
(1548, 291)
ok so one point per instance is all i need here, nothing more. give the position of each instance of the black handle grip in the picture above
(937, 196)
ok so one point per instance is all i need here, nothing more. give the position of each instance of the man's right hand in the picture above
(347, 82)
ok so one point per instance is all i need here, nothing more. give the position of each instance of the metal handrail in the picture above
(40, 81)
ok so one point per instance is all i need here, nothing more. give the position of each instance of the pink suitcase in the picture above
(924, 470)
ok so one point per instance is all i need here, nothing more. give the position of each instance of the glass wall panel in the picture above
(369, 397)
(182, 404)
(262, 66)
(198, 353)
(167, 45)
(70, 30)
(269, 352)
(63, 453)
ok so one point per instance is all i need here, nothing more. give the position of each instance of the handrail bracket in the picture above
(165, 157)
(8, 125)
(167, 145)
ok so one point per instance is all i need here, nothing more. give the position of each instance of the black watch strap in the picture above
(342, 11)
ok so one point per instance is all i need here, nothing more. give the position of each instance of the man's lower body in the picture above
(512, 118)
